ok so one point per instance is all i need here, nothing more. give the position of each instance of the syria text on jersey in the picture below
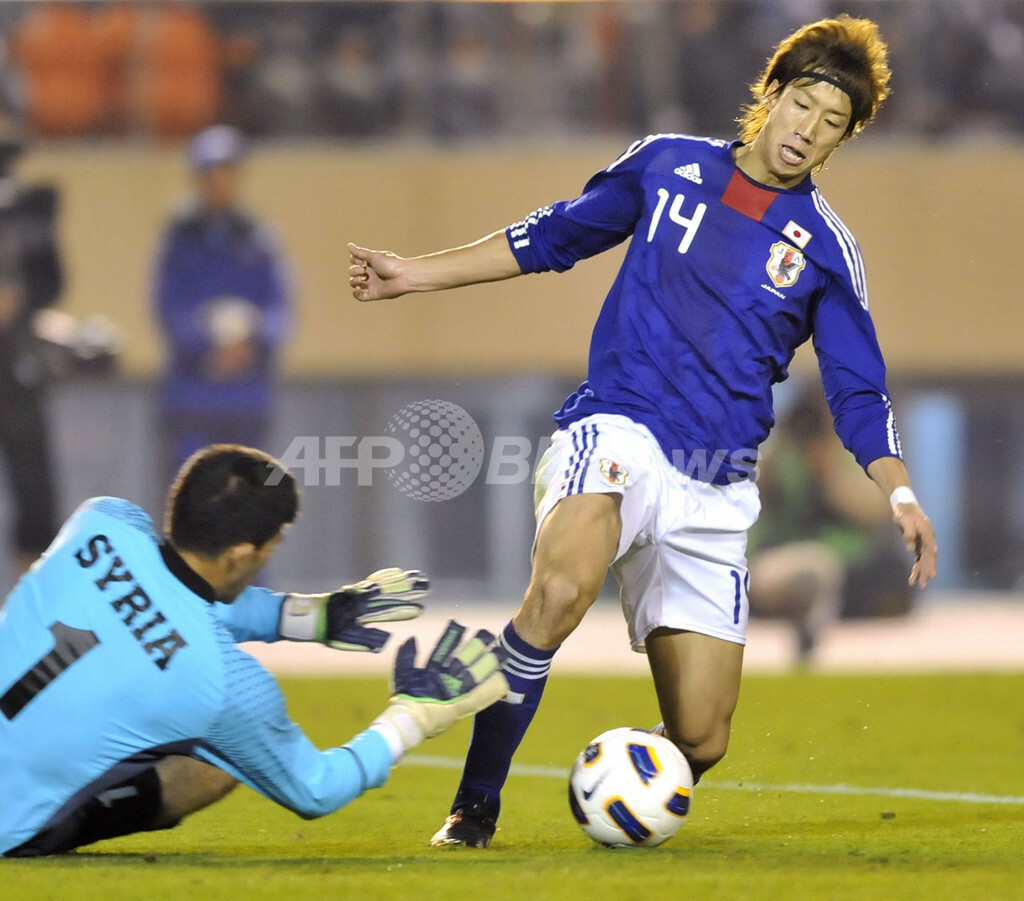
(161, 645)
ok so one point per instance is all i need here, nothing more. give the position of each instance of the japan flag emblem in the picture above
(785, 264)
(614, 472)
(797, 234)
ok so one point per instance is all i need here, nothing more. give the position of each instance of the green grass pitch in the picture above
(835, 787)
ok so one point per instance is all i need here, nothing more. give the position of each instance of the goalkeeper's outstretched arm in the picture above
(255, 741)
(340, 619)
(455, 683)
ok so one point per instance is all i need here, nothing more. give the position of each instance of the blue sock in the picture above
(498, 730)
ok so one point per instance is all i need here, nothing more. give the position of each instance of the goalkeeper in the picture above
(125, 704)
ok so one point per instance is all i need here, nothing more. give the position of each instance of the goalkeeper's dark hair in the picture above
(226, 494)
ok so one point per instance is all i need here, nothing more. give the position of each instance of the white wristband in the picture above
(390, 733)
(902, 495)
(300, 616)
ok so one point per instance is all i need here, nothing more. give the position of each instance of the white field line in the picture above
(553, 772)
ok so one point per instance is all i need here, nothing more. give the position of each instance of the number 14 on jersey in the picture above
(675, 213)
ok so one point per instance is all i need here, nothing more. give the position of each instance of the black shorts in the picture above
(131, 804)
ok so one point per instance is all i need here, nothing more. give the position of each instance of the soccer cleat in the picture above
(467, 826)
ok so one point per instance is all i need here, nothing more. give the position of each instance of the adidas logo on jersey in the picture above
(690, 171)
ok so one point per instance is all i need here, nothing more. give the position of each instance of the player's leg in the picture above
(591, 502)
(697, 680)
(141, 800)
(188, 785)
(685, 599)
(576, 543)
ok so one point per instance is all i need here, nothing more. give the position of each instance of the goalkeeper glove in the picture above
(339, 619)
(455, 683)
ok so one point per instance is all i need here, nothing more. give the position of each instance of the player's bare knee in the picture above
(703, 748)
(705, 757)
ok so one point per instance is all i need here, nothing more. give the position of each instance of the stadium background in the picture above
(478, 114)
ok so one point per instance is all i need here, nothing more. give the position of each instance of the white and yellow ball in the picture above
(630, 788)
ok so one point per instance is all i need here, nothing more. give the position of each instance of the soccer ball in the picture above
(630, 788)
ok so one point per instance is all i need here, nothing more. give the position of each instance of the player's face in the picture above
(806, 122)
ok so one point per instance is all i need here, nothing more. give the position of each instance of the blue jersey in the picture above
(723, 279)
(112, 654)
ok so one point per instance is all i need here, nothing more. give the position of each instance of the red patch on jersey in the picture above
(747, 198)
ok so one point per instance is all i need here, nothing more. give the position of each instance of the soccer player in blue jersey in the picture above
(735, 260)
(125, 704)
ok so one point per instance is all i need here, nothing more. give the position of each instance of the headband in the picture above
(857, 114)
(821, 76)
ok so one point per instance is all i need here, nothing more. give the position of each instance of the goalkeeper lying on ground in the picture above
(125, 704)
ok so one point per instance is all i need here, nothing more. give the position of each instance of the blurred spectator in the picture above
(31, 278)
(531, 102)
(711, 57)
(284, 78)
(223, 300)
(241, 102)
(1003, 71)
(452, 70)
(823, 547)
(468, 85)
(606, 40)
(354, 93)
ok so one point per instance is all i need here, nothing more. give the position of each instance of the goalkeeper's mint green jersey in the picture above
(113, 653)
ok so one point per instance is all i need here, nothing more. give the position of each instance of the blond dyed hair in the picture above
(847, 51)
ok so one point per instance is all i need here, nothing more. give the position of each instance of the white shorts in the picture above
(681, 561)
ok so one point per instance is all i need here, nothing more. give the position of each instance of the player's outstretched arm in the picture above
(379, 275)
(340, 619)
(891, 476)
(455, 682)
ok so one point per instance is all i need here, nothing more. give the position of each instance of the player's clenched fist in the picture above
(376, 275)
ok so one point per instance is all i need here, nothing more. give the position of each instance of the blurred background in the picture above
(413, 126)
